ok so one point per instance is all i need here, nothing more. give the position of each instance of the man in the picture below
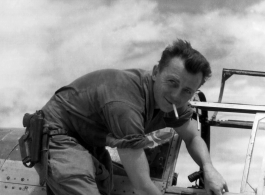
(117, 108)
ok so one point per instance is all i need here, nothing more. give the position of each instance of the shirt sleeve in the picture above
(125, 124)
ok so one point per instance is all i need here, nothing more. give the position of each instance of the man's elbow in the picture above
(143, 184)
(192, 142)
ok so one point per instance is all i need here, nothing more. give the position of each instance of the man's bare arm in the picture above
(214, 182)
(137, 168)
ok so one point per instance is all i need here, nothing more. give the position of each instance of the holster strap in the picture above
(53, 132)
(47, 132)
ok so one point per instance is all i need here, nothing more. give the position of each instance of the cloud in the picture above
(47, 44)
(237, 87)
(228, 39)
(203, 6)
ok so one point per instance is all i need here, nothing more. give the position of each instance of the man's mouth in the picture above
(168, 101)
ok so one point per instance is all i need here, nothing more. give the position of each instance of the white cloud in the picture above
(55, 42)
(47, 44)
(229, 40)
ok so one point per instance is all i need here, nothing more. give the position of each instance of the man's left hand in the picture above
(213, 181)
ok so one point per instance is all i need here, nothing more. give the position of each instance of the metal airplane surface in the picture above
(16, 179)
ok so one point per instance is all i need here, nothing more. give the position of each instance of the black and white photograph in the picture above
(136, 97)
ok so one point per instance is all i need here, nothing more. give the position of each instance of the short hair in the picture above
(194, 61)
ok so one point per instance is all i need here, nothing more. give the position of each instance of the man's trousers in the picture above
(72, 170)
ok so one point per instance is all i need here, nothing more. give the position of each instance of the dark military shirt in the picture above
(111, 107)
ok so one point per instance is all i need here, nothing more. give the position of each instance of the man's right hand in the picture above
(137, 168)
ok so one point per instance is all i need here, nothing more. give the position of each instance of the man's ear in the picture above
(155, 71)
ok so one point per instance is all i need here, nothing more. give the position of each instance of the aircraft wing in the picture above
(15, 178)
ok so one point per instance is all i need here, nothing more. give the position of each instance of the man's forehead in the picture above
(174, 66)
(178, 72)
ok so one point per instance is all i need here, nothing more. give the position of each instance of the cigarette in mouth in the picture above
(175, 111)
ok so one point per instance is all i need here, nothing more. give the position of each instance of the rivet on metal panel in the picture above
(20, 188)
(22, 179)
(13, 187)
(5, 186)
(8, 178)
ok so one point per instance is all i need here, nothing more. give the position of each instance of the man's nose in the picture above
(176, 96)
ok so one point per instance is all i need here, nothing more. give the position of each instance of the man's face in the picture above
(174, 85)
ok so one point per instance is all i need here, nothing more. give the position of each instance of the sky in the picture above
(46, 44)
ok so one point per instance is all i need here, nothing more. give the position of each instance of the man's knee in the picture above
(71, 167)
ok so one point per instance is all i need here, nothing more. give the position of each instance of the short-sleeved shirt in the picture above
(111, 107)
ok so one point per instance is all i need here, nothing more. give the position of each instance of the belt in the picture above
(51, 131)
(57, 132)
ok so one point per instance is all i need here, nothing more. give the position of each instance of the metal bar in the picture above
(173, 153)
(224, 107)
(261, 186)
(225, 76)
(233, 124)
(205, 127)
(193, 191)
(245, 72)
(258, 118)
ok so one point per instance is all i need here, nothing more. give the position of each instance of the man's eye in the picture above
(187, 91)
(172, 82)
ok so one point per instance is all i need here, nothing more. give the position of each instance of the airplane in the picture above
(16, 179)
